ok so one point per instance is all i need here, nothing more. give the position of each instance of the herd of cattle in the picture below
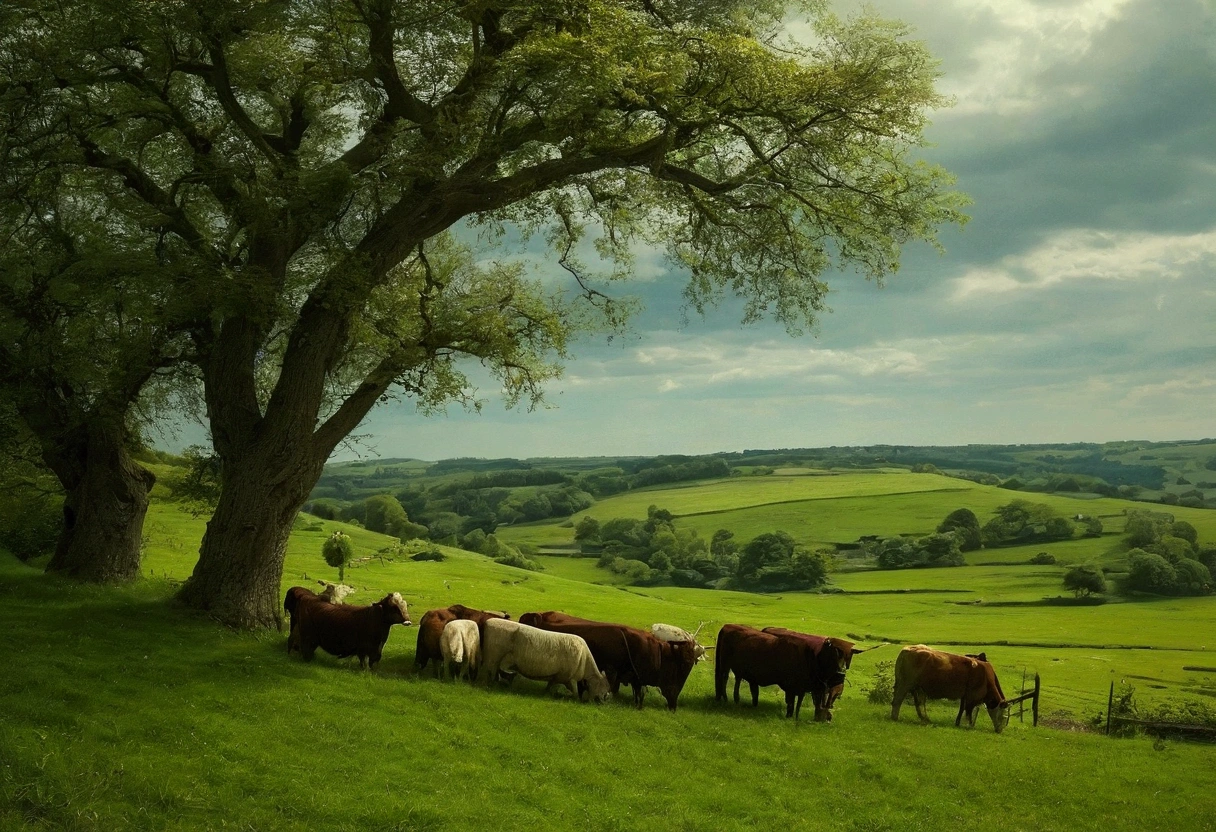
(594, 658)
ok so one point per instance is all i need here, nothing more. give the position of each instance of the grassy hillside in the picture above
(822, 509)
(124, 711)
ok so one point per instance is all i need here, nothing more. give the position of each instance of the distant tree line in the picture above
(654, 551)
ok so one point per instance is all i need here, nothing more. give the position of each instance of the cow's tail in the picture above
(721, 670)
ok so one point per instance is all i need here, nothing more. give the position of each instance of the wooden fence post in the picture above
(1035, 707)
(1110, 703)
(1022, 704)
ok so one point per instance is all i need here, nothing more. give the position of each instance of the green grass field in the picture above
(833, 508)
(125, 711)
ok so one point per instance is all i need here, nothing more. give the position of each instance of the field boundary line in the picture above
(819, 500)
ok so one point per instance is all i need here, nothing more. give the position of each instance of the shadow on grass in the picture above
(1058, 601)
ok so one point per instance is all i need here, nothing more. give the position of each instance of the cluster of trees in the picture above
(958, 533)
(1021, 522)
(223, 204)
(1166, 557)
(654, 550)
(941, 549)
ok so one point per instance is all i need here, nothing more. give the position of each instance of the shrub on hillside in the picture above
(1085, 580)
(338, 551)
(1148, 572)
(1193, 578)
(882, 684)
(1171, 548)
(429, 555)
(1043, 559)
(689, 578)
(966, 526)
(519, 561)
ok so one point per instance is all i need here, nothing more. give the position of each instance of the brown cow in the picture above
(430, 630)
(833, 657)
(932, 674)
(626, 655)
(345, 630)
(962, 703)
(763, 659)
(291, 605)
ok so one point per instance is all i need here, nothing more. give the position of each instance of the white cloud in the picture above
(668, 385)
(708, 362)
(1028, 40)
(1093, 255)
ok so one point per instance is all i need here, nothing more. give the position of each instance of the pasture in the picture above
(124, 711)
(821, 509)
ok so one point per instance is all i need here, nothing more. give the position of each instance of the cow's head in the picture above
(1000, 716)
(676, 662)
(531, 619)
(398, 610)
(598, 688)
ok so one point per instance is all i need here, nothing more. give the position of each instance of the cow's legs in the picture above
(962, 707)
(921, 700)
(639, 693)
(897, 701)
(792, 705)
(755, 693)
(738, 681)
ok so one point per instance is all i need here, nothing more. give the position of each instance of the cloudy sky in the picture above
(1077, 305)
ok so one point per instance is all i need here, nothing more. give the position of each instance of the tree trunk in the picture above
(103, 512)
(240, 566)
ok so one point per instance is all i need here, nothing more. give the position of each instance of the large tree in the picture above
(86, 299)
(321, 149)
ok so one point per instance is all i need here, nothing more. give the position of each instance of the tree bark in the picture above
(240, 565)
(105, 506)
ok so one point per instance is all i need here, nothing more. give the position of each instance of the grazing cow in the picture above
(342, 630)
(430, 630)
(763, 659)
(962, 704)
(627, 655)
(670, 632)
(833, 657)
(556, 658)
(931, 674)
(460, 644)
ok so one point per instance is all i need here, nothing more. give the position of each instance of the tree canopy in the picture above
(301, 164)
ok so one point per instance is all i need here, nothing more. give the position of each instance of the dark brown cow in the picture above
(626, 655)
(430, 629)
(291, 605)
(833, 658)
(345, 630)
(926, 674)
(762, 659)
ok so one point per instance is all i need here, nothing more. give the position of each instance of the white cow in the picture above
(670, 632)
(556, 658)
(460, 644)
(335, 593)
